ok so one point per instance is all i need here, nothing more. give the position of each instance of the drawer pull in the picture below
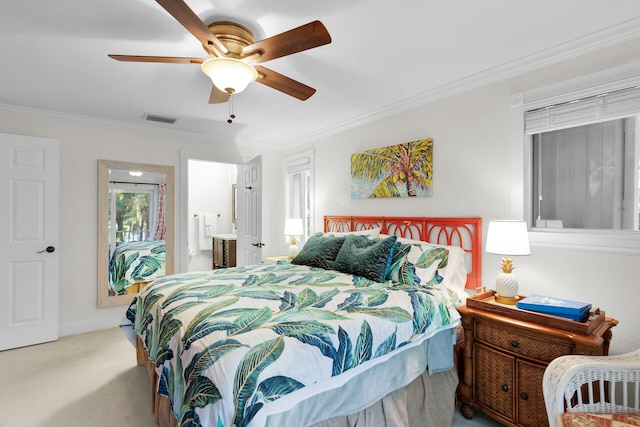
(514, 344)
(505, 388)
(524, 396)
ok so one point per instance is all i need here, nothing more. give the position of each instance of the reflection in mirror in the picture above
(135, 228)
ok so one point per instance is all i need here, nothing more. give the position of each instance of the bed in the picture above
(301, 344)
(133, 265)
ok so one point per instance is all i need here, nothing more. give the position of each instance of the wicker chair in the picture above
(592, 384)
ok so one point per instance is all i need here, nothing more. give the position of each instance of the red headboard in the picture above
(463, 232)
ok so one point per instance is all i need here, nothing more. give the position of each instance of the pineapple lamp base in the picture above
(507, 288)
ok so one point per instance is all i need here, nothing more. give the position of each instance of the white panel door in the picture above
(249, 247)
(29, 185)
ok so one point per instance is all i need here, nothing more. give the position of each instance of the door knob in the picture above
(258, 245)
(49, 249)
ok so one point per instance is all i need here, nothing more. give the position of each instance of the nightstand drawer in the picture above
(520, 344)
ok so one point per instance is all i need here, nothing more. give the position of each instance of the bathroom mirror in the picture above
(135, 228)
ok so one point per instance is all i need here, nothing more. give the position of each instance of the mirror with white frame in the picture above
(135, 228)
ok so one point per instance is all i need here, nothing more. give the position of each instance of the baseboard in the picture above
(89, 325)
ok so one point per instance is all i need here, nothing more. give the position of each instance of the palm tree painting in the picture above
(402, 170)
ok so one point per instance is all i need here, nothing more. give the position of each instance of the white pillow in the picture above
(455, 273)
(372, 234)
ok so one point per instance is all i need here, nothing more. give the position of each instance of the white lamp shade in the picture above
(228, 74)
(293, 227)
(508, 238)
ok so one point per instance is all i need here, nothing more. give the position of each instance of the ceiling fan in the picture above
(234, 53)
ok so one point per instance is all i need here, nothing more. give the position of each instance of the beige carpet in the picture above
(82, 380)
(87, 380)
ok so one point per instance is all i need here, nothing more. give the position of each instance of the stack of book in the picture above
(568, 309)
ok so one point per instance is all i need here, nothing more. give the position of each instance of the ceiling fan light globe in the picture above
(228, 74)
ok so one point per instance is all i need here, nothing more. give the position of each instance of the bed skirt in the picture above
(427, 401)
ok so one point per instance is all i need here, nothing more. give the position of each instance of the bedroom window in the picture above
(131, 212)
(585, 177)
(298, 190)
(576, 162)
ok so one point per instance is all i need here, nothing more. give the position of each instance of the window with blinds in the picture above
(584, 177)
(576, 160)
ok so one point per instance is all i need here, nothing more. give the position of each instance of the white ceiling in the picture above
(384, 57)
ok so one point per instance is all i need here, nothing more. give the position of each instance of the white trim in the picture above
(518, 181)
(90, 325)
(183, 240)
(603, 241)
(609, 241)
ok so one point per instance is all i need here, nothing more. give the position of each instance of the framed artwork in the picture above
(402, 170)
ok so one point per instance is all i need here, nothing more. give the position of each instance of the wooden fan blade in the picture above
(187, 17)
(162, 59)
(283, 83)
(217, 96)
(305, 37)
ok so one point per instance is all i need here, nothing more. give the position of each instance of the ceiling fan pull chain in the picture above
(231, 114)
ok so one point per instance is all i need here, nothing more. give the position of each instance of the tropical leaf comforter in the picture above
(228, 343)
(136, 262)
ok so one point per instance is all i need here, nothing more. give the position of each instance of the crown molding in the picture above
(158, 129)
(598, 40)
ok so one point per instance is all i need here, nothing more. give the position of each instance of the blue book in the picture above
(568, 309)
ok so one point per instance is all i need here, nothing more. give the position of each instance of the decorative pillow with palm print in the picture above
(417, 264)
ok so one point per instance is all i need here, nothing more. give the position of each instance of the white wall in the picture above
(472, 169)
(209, 192)
(81, 145)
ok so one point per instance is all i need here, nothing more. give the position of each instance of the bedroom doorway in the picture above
(210, 210)
(221, 207)
(29, 183)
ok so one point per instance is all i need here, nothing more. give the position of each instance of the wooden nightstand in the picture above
(506, 351)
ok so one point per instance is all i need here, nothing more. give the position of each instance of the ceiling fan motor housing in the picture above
(232, 35)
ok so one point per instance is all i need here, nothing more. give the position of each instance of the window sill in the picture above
(604, 241)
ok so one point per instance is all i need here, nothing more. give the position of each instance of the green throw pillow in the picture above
(319, 251)
(365, 257)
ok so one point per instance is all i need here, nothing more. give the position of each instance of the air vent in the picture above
(160, 119)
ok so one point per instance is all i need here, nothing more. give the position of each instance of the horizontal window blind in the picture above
(593, 109)
(298, 163)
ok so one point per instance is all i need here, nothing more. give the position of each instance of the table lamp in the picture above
(507, 238)
(293, 227)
